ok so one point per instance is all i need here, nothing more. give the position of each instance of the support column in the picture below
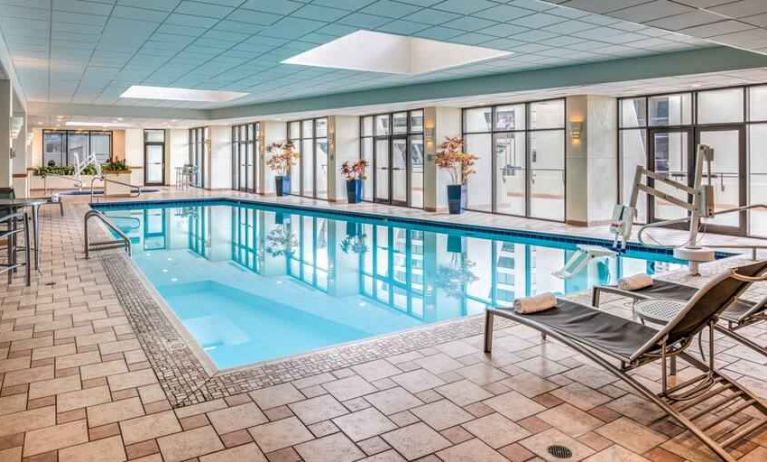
(591, 159)
(438, 123)
(6, 111)
(22, 159)
(343, 145)
(220, 170)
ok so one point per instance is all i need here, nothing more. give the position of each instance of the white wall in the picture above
(220, 171)
(178, 152)
(134, 154)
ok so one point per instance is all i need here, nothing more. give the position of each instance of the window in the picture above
(63, 147)
(392, 144)
(154, 157)
(667, 127)
(521, 165)
(310, 138)
(246, 150)
(198, 151)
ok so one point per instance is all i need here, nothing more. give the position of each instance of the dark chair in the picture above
(599, 336)
(739, 314)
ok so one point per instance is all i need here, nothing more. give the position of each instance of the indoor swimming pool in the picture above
(253, 282)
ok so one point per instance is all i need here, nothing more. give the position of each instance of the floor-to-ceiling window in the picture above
(245, 153)
(521, 158)
(392, 144)
(661, 132)
(62, 147)
(198, 148)
(154, 157)
(310, 177)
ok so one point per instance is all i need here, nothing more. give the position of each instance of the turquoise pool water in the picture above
(254, 283)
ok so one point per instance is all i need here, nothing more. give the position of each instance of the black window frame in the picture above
(65, 142)
(239, 148)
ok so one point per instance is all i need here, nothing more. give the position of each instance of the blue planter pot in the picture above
(456, 198)
(282, 183)
(354, 191)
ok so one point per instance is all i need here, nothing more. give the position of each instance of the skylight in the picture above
(180, 94)
(393, 54)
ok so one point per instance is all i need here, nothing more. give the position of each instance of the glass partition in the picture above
(521, 165)
(310, 138)
(246, 150)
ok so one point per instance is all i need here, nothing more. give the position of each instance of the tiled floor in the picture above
(77, 385)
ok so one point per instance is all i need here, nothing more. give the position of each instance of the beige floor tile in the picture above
(189, 444)
(539, 443)
(617, 453)
(244, 453)
(580, 396)
(473, 450)
(376, 370)
(76, 360)
(150, 426)
(439, 363)
(236, 418)
(637, 408)
(530, 384)
(318, 409)
(463, 392)
(82, 398)
(332, 448)
(631, 435)
(496, 430)
(11, 454)
(388, 456)
(54, 386)
(349, 388)
(393, 400)
(53, 351)
(569, 419)
(514, 406)
(277, 395)
(93, 371)
(442, 414)
(416, 440)
(102, 414)
(151, 393)
(131, 379)
(757, 455)
(13, 403)
(14, 364)
(105, 450)
(22, 376)
(364, 424)
(201, 408)
(55, 437)
(418, 380)
(27, 420)
(482, 374)
(280, 434)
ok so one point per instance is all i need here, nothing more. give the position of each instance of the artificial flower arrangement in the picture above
(460, 165)
(283, 157)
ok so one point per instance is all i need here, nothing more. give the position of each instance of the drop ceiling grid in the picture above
(98, 48)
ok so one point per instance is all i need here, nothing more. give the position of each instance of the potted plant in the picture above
(354, 174)
(451, 157)
(284, 156)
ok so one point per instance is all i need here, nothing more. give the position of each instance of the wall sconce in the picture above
(576, 129)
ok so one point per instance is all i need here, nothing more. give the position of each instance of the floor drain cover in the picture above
(50, 283)
(560, 452)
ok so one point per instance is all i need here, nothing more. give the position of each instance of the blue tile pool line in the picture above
(424, 223)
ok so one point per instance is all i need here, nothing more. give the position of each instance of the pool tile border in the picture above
(185, 378)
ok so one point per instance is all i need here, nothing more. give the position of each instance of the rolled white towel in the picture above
(635, 282)
(540, 302)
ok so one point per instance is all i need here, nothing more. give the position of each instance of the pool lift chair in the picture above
(581, 259)
(605, 338)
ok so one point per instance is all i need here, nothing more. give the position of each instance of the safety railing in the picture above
(124, 240)
(135, 189)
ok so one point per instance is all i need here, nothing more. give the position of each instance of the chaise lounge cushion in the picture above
(665, 289)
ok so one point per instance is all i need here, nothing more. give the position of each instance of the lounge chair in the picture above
(600, 336)
(739, 314)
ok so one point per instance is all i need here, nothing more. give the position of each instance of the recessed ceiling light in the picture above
(393, 54)
(180, 94)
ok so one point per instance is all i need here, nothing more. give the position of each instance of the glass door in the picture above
(154, 157)
(399, 171)
(382, 170)
(670, 153)
(727, 176)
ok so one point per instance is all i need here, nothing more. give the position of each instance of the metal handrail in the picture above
(138, 188)
(124, 240)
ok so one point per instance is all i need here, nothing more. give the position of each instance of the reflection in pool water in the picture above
(254, 283)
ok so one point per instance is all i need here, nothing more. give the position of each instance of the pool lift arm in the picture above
(702, 206)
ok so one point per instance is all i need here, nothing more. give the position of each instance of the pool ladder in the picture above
(124, 241)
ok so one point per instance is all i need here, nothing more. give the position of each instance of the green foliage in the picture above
(68, 170)
(118, 166)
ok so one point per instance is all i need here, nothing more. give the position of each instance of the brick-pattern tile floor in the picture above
(81, 383)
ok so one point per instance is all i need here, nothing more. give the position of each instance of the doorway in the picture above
(392, 164)
(154, 157)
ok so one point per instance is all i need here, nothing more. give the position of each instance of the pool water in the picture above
(254, 283)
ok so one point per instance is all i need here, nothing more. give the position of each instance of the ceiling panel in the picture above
(99, 48)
